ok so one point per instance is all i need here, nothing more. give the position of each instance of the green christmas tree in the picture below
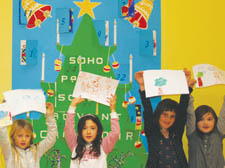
(86, 45)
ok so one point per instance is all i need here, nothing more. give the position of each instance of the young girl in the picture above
(205, 136)
(87, 147)
(164, 128)
(21, 152)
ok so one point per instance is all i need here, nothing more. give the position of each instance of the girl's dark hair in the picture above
(165, 105)
(201, 111)
(96, 144)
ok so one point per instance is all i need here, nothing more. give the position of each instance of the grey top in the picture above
(26, 157)
(206, 151)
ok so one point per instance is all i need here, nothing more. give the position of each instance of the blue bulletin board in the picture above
(112, 38)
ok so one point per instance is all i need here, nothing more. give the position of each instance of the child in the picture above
(164, 128)
(205, 136)
(22, 153)
(87, 147)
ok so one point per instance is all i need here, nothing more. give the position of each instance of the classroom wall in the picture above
(6, 51)
(192, 33)
(5, 46)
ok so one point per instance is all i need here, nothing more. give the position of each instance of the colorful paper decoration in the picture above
(120, 160)
(79, 61)
(23, 60)
(36, 13)
(125, 104)
(107, 68)
(56, 158)
(43, 68)
(58, 64)
(97, 108)
(138, 116)
(115, 33)
(128, 10)
(100, 29)
(86, 7)
(106, 33)
(22, 14)
(28, 52)
(132, 100)
(115, 64)
(143, 10)
(50, 92)
(143, 133)
(58, 68)
(145, 43)
(131, 68)
(58, 61)
(32, 52)
(65, 16)
(154, 43)
(138, 144)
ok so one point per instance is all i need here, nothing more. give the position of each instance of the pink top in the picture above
(107, 145)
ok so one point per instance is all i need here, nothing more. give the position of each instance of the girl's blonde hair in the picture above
(18, 124)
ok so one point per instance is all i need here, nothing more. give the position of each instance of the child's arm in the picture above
(182, 112)
(4, 142)
(191, 120)
(183, 105)
(70, 134)
(110, 140)
(50, 139)
(148, 111)
(221, 120)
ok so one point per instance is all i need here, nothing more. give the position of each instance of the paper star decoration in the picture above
(86, 7)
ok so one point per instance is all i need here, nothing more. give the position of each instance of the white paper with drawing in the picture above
(165, 82)
(208, 75)
(95, 87)
(24, 100)
(5, 115)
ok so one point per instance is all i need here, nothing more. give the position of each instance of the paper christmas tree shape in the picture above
(86, 53)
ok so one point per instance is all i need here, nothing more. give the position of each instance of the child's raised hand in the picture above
(112, 101)
(191, 82)
(140, 79)
(76, 101)
(49, 108)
